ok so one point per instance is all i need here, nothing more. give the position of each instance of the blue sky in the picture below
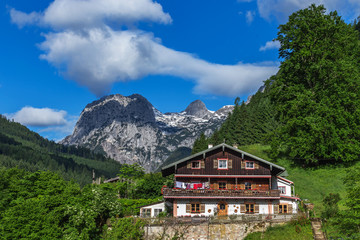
(57, 56)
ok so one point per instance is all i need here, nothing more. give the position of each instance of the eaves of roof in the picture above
(223, 146)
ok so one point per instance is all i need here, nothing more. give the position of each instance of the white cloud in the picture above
(60, 132)
(270, 45)
(65, 14)
(281, 9)
(85, 48)
(31, 116)
(250, 16)
(23, 19)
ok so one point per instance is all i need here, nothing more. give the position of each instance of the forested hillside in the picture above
(247, 124)
(308, 117)
(22, 148)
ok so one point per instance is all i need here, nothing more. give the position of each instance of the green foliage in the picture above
(294, 231)
(125, 228)
(88, 213)
(200, 144)
(130, 207)
(22, 148)
(330, 204)
(150, 186)
(316, 92)
(33, 204)
(349, 219)
(41, 205)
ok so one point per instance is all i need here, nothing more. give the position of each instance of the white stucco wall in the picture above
(212, 206)
(153, 207)
(287, 185)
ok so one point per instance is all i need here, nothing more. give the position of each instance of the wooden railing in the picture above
(169, 192)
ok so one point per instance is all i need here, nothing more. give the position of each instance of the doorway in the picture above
(222, 208)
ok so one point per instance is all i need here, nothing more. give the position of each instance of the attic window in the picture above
(249, 165)
(223, 164)
(282, 189)
(195, 165)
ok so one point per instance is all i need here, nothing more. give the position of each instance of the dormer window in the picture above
(195, 165)
(249, 165)
(223, 164)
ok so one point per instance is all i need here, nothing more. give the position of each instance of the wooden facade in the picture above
(225, 180)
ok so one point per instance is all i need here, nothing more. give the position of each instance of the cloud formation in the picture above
(281, 9)
(87, 48)
(270, 45)
(250, 16)
(39, 117)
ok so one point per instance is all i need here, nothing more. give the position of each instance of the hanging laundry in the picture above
(178, 184)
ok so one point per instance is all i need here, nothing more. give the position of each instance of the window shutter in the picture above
(290, 208)
(242, 164)
(230, 163)
(216, 185)
(202, 208)
(242, 208)
(256, 165)
(256, 208)
(215, 163)
(202, 163)
(242, 186)
(276, 209)
(228, 186)
(189, 164)
(188, 208)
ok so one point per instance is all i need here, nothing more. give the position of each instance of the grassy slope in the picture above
(287, 231)
(310, 183)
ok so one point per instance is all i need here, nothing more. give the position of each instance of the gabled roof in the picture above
(223, 146)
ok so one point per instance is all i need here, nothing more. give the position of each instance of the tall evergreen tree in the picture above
(317, 90)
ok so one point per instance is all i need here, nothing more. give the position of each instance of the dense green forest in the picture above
(22, 148)
(309, 110)
(42, 205)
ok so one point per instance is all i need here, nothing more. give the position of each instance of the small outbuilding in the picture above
(152, 210)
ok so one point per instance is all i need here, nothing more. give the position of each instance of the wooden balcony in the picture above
(217, 193)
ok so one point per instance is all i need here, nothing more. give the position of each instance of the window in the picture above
(283, 208)
(282, 189)
(222, 164)
(222, 206)
(146, 212)
(249, 208)
(247, 185)
(249, 165)
(195, 208)
(195, 164)
(222, 185)
(156, 212)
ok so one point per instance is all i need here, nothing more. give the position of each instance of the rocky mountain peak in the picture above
(197, 108)
(130, 129)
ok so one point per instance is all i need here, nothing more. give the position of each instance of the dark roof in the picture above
(115, 179)
(223, 145)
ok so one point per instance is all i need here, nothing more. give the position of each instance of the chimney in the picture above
(210, 146)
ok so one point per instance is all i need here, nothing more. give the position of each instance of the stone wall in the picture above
(226, 230)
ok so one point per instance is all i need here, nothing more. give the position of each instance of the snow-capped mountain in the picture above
(130, 129)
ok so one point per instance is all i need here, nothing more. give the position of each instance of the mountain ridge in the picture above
(130, 129)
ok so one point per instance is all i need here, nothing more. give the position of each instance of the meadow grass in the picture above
(310, 183)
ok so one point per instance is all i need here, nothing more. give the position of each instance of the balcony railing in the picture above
(169, 192)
